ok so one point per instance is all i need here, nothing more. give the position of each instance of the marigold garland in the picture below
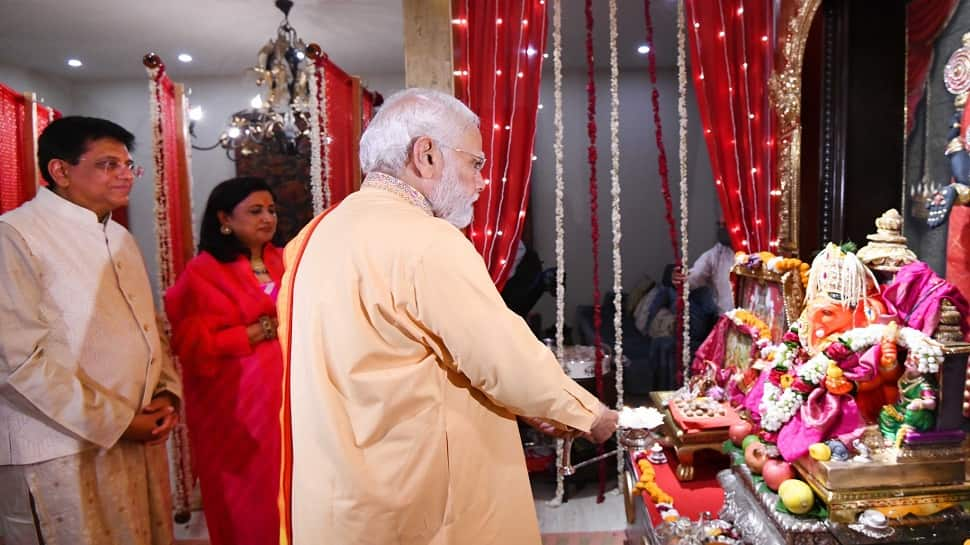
(769, 262)
(648, 484)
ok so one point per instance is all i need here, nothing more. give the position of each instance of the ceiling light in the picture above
(643, 49)
(74, 63)
(195, 113)
(185, 57)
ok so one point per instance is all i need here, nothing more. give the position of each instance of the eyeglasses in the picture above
(479, 159)
(112, 167)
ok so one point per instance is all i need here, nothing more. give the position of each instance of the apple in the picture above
(755, 456)
(739, 430)
(797, 496)
(776, 472)
(748, 440)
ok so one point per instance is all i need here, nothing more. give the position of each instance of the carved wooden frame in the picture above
(785, 88)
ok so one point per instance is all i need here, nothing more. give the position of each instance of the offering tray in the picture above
(686, 442)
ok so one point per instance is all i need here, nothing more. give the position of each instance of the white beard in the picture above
(449, 201)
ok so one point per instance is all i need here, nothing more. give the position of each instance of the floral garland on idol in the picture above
(794, 375)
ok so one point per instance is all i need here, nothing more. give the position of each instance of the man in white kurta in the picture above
(406, 369)
(86, 386)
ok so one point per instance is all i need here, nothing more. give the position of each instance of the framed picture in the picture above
(737, 349)
(776, 299)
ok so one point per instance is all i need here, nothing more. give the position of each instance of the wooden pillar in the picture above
(428, 56)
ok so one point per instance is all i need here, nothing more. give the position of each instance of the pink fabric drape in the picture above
(731, 56)
(498, 69)
(925, 19)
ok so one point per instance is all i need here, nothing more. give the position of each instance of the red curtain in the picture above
(731, 52)
(174, 229)
(11, 155)
(17, 184)
(498, 67)
(341, 145)
(925, 19)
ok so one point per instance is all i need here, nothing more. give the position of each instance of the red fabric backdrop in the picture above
(11, 157)
(498, 67)
(15, 186)
(925, 19)
(731, 55)
(341, 148)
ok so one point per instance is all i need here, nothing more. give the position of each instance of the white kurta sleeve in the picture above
(492, 346)
(57, 390)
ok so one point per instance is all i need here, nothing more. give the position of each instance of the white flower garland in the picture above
(317, 180)
(682, 112)
(813, 370)
(778, 406)
(560, 213)
(178, 447)
(617, 231)
(927, 353)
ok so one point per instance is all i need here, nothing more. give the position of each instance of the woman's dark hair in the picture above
(224, 198)
(67, 139)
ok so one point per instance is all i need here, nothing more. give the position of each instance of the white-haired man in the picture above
(405, 368)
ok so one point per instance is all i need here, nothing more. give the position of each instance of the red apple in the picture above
(755, 456)
(739, 430)
(776, 472)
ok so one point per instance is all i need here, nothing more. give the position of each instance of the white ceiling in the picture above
(362, 36)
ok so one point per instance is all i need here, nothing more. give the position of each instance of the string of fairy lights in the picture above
(764, 207)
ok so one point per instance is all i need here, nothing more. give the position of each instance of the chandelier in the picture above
(279, 116)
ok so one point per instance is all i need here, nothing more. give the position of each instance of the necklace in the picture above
(257, 265)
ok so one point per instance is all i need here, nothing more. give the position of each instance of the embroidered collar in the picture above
(386, 182)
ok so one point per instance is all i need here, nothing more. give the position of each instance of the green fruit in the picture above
(748, 440)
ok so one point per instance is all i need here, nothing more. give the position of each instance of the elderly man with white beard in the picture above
(405, 371)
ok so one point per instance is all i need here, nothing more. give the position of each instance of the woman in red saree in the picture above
(223, 315)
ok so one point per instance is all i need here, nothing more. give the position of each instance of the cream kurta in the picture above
(80, 354)
(406, 372)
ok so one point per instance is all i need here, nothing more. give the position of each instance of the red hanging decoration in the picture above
(591, 157)
(664, 178)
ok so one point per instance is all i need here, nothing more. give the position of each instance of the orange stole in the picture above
(291, 261)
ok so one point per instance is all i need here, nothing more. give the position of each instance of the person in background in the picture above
(713, 269)
(406, 369)
(88, 393)
(223, 315)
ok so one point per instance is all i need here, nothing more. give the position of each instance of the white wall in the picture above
(126, 103)
(51, 90)
(645, 245)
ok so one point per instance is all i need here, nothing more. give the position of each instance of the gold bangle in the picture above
(269, 332)
(963, 192)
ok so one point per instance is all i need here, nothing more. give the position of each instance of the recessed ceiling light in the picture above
(643, 49)
(185, 57)
(74, 63)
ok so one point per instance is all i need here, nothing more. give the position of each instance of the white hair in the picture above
(405, 116)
